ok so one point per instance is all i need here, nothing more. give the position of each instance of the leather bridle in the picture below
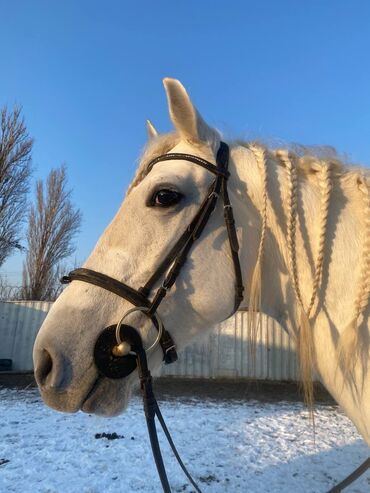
(171, 265)
(112, 358)
(115, 365)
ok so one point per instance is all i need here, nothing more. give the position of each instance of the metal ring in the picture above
(142, 309)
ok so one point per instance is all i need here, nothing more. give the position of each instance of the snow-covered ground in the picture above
(236, 447)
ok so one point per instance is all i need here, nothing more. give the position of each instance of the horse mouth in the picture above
(107, 397)
(90, 393)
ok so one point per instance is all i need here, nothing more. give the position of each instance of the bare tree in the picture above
(15, 170)
(53, 223)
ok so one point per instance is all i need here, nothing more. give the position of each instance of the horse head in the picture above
(161, 202)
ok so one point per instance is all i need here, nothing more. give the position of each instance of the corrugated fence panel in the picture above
(224, 353)
(19, 324)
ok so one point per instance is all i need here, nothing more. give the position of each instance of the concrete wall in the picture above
(224, 353)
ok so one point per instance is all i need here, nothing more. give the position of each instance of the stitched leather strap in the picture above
(179, 156)
(108, 283)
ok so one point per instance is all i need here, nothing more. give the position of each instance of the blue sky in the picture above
(88, 74)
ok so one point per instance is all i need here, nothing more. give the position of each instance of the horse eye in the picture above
(166, 198)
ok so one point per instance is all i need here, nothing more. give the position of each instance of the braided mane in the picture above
(321, 166)
(304, 165)
(349, 345)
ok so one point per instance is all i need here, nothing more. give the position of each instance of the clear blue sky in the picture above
(88, 74)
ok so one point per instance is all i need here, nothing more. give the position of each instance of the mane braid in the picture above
(304, 335)
(325, 184)
(348, 347)
(254, 309)
(291, 168)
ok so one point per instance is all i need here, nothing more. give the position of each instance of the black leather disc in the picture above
(108, 364)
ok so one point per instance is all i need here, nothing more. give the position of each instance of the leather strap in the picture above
(151, 410)
(108, 283)
(234, 247)
(171, 266)
(179, 156)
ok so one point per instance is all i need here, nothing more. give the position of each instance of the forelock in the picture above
(154, 148)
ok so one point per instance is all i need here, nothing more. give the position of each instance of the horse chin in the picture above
(104, 397)
(107, 397)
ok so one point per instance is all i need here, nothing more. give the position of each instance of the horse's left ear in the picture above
(185, 117)
(151, 131)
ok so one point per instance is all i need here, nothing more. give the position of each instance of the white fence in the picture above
(19, 324)
(225, 353)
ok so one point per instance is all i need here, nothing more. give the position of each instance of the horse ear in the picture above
(185, 117)
(152, 132)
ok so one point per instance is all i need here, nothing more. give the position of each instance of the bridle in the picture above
(115, 363)
(170, 267)
(119, 349)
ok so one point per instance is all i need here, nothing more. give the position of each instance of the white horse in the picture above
(303, 223)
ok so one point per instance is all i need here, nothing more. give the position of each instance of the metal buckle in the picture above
(215, 194)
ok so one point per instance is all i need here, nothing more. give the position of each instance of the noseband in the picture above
(169, 269)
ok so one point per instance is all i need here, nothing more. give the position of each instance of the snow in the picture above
(232, 446)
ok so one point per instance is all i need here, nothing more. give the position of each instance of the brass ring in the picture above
(142, 309)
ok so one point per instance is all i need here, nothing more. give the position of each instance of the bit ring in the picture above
(142, 309)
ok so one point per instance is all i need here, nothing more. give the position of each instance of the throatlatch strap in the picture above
(234, 247)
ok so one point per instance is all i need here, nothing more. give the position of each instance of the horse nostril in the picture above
(44, 367)
(48, 373)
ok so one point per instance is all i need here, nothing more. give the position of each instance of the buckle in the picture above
(164, 286)
(170, 355)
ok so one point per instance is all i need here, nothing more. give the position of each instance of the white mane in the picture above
(322, 168)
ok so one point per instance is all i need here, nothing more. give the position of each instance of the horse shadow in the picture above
(315, 472)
